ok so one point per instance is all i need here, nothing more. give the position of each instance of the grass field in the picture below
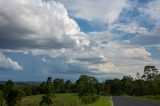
(148, 97)
(151, 98)
(64, 100)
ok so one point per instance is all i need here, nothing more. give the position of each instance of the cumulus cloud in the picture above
(90, 59)
(37, 24)
(153, 9)
(8, 63)
(44, 28)
(131, 28)
(123, 56)
(104, 10)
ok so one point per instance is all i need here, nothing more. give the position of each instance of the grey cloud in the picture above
(93, 60)
(32, 25)
(144, 40)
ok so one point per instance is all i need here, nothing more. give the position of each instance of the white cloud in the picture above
(8, 63)
(132, 28)
(92, 10)
(37, 24)
(112, 57)
(128, 59)
(44, 28)
(153, 10)
(103, 37)
(45, 60)
(121, 56)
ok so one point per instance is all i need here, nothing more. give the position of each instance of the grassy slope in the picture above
(63, 100)
(151, 98)
(103, 101)
(148, 97)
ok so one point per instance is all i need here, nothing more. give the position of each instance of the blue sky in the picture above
(67, 38)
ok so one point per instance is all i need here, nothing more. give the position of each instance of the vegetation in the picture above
(87, 91)
(64, 99)
(1, 98)
(151, 98)
(146, 84)
(87, 88)
(49, 93)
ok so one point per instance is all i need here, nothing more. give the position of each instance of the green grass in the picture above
(67, 99)
(103, 101)
(147, 97)
(30, 100)
(151, 98)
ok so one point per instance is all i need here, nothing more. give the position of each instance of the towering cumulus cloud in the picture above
(60, 37)
(92, 10)
(37, 24)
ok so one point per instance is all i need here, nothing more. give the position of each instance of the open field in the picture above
(63, 100)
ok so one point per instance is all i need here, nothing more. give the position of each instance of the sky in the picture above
(67, 38)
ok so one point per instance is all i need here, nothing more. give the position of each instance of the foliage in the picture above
(87, 88)
(146, 84)
(64, 99)
(59, 85)
(11, 94)
(1, 98)
(68, 86)
(12, 98)
(49, 93)
(89, 99)
(46, 99)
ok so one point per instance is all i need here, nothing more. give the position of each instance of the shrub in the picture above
(89, 99)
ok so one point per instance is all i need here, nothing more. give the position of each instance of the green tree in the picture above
(12, 98)
(106, 89)
(9, 85)
(87, 88)
(59, 85)
(10, 93)
(1, 98)
(48, 87)
(127, 84)
(116, 86)
(150, 74)
(46, 99)
(68, 85)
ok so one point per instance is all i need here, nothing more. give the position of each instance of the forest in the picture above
(87, 88)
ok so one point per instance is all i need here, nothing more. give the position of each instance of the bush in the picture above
(89, 99)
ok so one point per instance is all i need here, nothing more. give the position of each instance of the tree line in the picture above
(88, 88)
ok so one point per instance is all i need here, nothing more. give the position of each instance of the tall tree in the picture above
(59, 85)
(150, 73)
(116, 87)
(10, 93)
(12, 98)
(68, 85)
(87, 88)
(48, 85)
(127, 84)
(9, 85)
(1, 98)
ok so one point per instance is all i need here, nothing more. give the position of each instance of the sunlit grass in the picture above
(67, 99)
